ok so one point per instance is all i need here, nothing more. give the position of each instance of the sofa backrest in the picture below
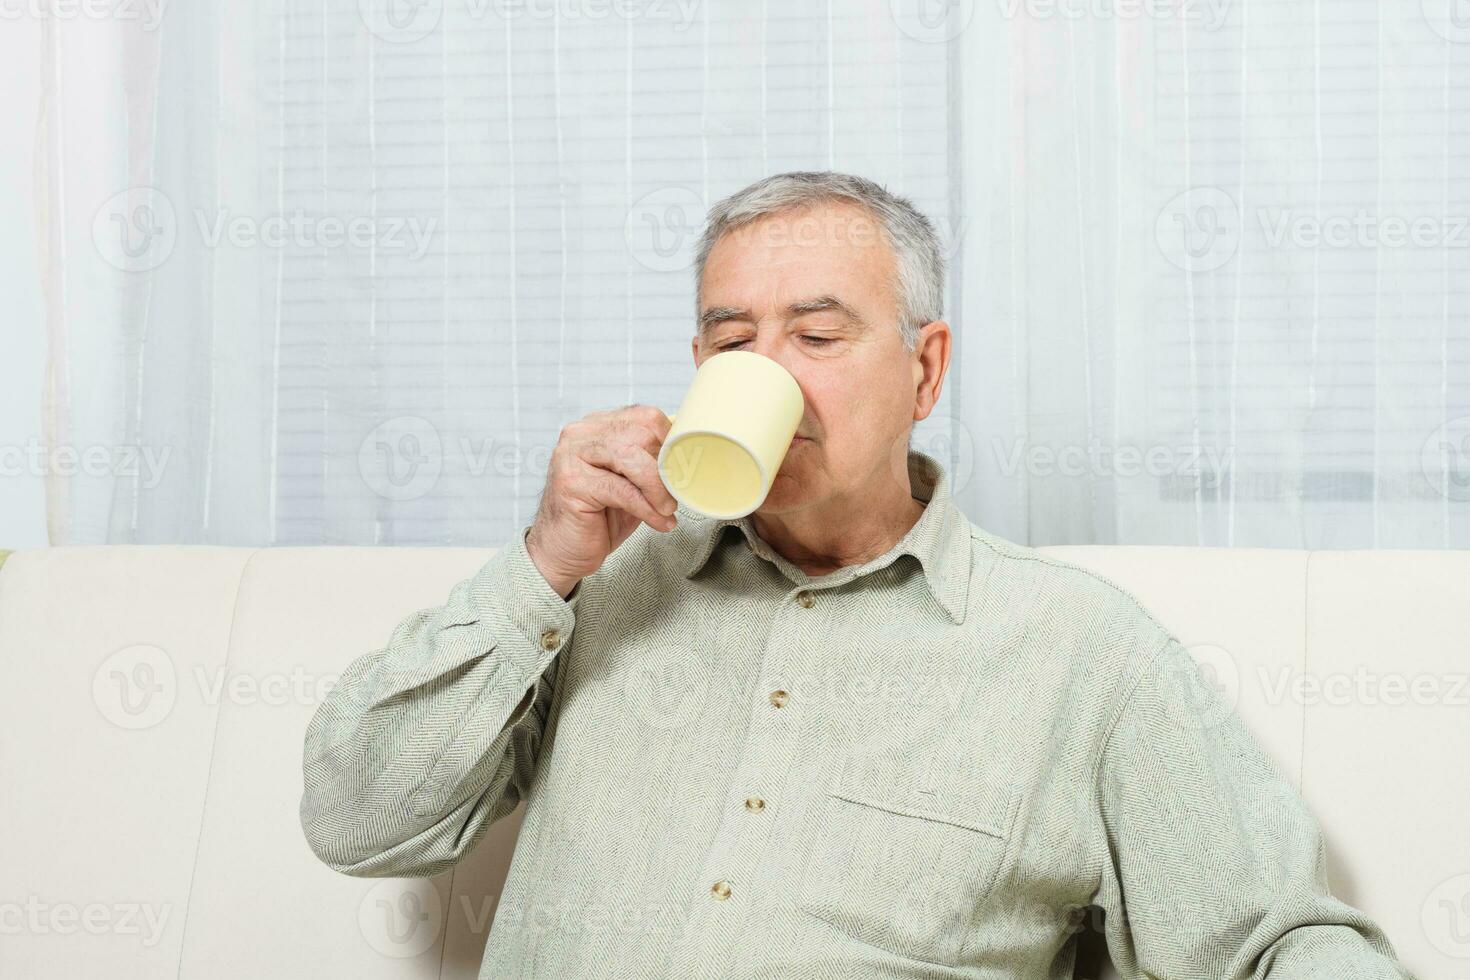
(155, 700)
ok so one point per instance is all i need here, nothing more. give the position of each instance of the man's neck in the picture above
(846, 529)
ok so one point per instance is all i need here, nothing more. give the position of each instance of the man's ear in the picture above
(694, 349)
(931, 362)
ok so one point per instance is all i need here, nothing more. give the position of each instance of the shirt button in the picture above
(805, 598)
(755, 804)
(550, 638)
(778, 697)
(721, 890)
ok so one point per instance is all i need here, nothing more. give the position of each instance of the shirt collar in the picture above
(939, 540)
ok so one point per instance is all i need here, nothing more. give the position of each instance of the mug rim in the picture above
(728, 515)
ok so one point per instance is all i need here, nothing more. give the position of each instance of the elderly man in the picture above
(851, 735)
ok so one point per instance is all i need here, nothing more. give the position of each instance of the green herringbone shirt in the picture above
(926, 765)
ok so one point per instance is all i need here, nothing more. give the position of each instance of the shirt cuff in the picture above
(512, 596)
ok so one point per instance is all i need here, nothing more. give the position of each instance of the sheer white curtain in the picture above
(338, 272)
(367, 259)
(1214, 273)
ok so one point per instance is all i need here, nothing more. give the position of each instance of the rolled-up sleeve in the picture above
(426, 741)
(1212, 866)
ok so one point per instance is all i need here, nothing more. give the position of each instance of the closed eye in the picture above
(819, 341)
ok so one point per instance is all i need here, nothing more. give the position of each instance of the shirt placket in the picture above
(729, 878)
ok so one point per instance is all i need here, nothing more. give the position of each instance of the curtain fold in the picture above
(339, 272)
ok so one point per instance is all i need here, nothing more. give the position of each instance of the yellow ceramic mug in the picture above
(731, 434)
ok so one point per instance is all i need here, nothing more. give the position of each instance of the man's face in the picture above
(814, 291)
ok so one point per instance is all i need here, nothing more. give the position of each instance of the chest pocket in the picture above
(904, 870)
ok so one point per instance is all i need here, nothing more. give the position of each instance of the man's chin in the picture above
(790, 492)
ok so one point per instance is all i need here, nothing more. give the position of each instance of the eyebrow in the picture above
(716, 315)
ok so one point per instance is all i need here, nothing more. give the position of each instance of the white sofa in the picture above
(155, 698)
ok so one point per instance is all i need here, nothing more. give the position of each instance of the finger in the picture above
(634, 461)
(654, 419)
(608, 489)
(632, 454)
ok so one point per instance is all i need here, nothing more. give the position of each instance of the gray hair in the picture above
(919, 259)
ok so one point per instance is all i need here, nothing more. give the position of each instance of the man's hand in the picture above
(601, 484)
